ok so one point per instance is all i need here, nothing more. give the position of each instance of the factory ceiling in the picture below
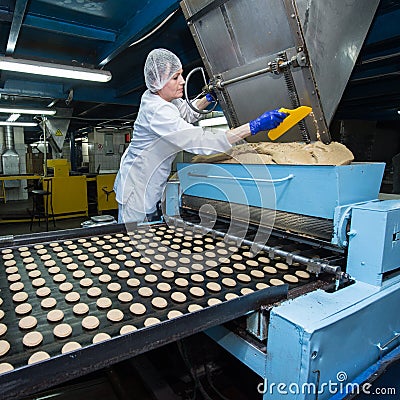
(116, 35)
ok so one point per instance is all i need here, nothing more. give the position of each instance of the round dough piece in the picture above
(70, 346)
(3, 329)
(43, 291)
(105, 278)
(5, 367)
(94, 291)
(127, 329)
(4, 347)
(159, 302)
(231, 296)
(252, 263)
(66, 287)
(276, 282)
(151, 321)
(194, 307)
(270, 270)
(32, 339)
(261, 285)
(28, 322)
(213, 302)
(16, 286)
(244, 278)
(78, 274)
(137, 308)
(80, 309)
(291, 278)
(90, 322)
(86, 282)
(178, 297)
(302, 274)
(38, 356)
(256, 273)
(62, 331)
(49, 302)
(53, 270)
(164, 287)
(24, 308)
(72, 297)
(133, 282)
(55, 315)
(281, 266)
(181, 282)
(59, 278)
(100, 337)
(114, 287)
(123, 274)
(38, 282)
(213, 286)
(125, 297)
(20, 297)
(212, 274)
(196, 291)
(145, 291)
(104, 302)
(239, 266)
(115, 315)
(229, 282)
(174, 314)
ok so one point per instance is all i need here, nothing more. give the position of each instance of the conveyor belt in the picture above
(143, 259)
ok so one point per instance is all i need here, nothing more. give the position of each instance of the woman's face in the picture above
(173, 89)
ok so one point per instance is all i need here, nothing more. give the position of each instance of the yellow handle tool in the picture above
(292, 119)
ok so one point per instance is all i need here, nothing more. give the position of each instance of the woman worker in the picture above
(163, 128)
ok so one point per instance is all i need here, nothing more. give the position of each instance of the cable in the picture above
(155, 29)
(198, 385)
(210, 382)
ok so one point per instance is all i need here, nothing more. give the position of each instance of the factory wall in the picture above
(19, 192)
(105, 150)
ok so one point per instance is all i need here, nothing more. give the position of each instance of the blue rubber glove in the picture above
(210, 98)
(267, 121)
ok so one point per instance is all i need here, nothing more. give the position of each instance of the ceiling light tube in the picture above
(56, 70)
(13, 117)
(8, 123)
(33, 111)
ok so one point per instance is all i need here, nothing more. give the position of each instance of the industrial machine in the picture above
(302, 261)
(327, 218)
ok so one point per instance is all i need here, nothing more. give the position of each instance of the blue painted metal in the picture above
(319, 344)
(249, 355)
(331, 333)
(367, 374)
(374, 241)
(70, 29)
(317, 190)
(139, 25)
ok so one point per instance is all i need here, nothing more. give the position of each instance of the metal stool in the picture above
(42, 203)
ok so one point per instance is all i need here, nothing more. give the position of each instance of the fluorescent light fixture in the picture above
(10, 110)
(16, 123)
(57, 70)
(217, 121)
(13, 117)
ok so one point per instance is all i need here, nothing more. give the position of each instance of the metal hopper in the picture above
(281, 53)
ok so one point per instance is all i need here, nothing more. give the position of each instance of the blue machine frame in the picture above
(318, 344)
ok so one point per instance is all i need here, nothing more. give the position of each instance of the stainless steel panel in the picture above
(334, 32)
(238, 37)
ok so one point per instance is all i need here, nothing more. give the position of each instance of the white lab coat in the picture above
(161, 130)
